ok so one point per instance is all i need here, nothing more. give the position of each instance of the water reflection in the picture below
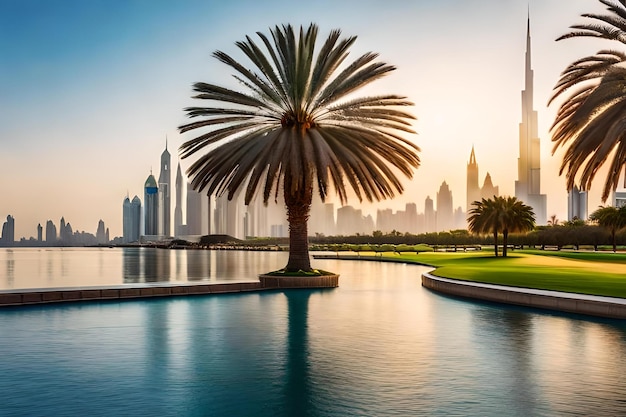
(297, 396)
(10, 262)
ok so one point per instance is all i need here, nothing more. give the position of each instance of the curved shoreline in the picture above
(592, 305)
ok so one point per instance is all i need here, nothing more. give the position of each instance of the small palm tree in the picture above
(516, 217)
(484, 218)
(501, 214)
(297, 128)
(591, 119)
(612, 218)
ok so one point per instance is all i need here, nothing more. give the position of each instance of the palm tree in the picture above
(612, 218)
(501, 214)
(591, 119)
(516, 217)
(484, 218)
(297, 127)
(553, 221)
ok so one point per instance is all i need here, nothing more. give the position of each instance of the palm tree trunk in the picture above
(298, 210)
(495, 242)
(613, 239)
(505, 240)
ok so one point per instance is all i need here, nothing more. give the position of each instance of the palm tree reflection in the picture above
(298, 401)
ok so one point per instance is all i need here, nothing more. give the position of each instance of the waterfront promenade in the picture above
(601, 306)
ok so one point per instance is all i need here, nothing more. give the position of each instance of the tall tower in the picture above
(165, 185)
(151, 206)
(194, 211)
(473, 189)
(445, 212)
(178, 209)
(528, 184)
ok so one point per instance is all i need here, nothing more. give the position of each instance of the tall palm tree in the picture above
(296, 127)
(612, 218)
(501, 214)
(591, 119)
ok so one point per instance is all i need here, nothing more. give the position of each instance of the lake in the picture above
(378, 345)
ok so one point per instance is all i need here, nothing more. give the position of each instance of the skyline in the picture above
(89, 93)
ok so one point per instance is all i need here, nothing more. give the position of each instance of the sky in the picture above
(91, 89)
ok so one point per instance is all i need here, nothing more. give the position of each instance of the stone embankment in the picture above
(593, 305)
(124, 292)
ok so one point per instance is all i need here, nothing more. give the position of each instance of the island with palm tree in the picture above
(297, 129)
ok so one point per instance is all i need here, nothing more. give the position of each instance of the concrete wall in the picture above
(590, 305)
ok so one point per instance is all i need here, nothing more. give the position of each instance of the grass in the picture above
(300, 273)
(577, 272)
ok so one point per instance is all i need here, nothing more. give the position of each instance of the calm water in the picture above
(378, 345)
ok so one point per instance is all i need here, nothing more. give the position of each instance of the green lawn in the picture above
(585, 273)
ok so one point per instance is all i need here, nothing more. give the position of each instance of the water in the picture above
(73, 267)
(378, 345)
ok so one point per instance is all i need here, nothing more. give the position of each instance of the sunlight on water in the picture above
(378, 345)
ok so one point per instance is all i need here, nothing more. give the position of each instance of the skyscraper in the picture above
(430, 219)
(178, 209)
(194, 211)
(165, 203)
(101, 237)
(528, 184)
(151, 207)
(8, 232)
(51, 233)
(445, 211)
(474, 191)
(577, 204)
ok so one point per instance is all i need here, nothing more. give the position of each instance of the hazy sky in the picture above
(89, 89)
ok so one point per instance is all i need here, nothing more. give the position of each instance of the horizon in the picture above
(91, 92)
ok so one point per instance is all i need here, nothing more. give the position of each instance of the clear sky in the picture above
(90, 89)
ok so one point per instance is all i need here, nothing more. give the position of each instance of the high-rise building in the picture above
(39, 233)
(164, 189)
(178, 209)
(430, 219)
(151, 207)
(8, 232)
(473, 188)
(474, 191)
(194, 211)
(131, 220)
(101, 235)
(51, 233)
(577, 204)
(528, 184)
(445, 210)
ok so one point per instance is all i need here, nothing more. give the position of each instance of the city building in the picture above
(39, 233)
(619, 198)
(528, 184)
(474, 191)
(164, 191)
(194, 212)
(430, 218)
(445, 210)
(351, 221)
(178, 208)
(131, 220)
(101, 233)
(51, 233)
(8, 232)
(577, 204)
(151, 207)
